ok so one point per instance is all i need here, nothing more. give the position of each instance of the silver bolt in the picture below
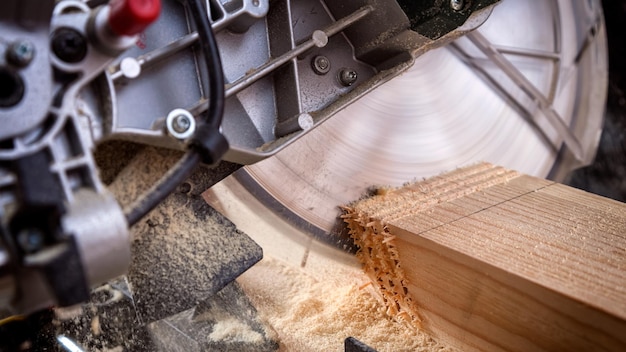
(457, 5)
(21, 53)
(181, 123)
(321, 65)
(348, 76)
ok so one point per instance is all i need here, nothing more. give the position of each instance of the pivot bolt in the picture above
(321, 65)
(20, 53)
(69, 45)
(457, 5)
(348, 76)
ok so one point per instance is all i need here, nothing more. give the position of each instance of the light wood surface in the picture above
(488, 259)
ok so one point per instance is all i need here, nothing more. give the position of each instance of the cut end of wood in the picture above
(367, 218)
(486, 258)
(380, 261)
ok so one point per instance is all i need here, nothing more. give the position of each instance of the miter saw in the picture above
(243, 82)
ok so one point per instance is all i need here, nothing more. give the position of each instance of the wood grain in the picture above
(489, 259)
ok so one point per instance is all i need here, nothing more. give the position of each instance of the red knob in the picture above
(130, 17)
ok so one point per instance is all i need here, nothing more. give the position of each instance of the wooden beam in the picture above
(488, 259)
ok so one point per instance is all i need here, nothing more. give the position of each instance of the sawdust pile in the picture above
(317, 315)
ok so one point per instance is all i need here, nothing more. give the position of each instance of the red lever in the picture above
(130, 17)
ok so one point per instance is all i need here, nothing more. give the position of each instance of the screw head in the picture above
(20, 53)
(457, 5)
(348, 76)
(321, 65)
(69, 45)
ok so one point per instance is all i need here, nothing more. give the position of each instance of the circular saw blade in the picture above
(452, 108)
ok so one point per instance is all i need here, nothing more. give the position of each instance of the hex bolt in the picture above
(30, 240)
(180, 123)
(457, 5)
(348, 76)
(320, 64)
(69, 45)
(20, 53)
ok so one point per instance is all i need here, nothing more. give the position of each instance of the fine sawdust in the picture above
(317, 315)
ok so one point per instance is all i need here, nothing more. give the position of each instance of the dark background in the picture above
(607, 175)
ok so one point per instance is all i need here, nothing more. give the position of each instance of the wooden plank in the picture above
(488, 259)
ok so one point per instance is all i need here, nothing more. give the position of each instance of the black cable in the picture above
(208, 144)
(210, 50)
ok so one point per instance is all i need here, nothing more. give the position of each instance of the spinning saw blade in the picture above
(483, 98)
